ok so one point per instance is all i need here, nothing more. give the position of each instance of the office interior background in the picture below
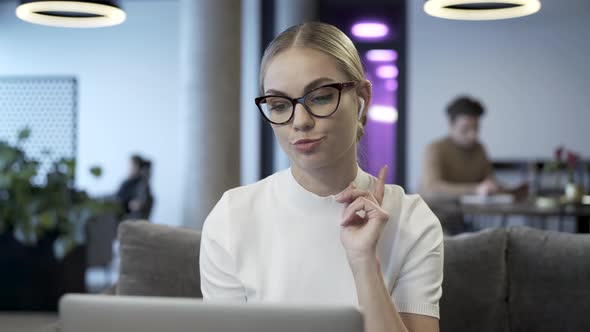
(176, 82)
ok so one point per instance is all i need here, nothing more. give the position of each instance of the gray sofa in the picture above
(517, 279)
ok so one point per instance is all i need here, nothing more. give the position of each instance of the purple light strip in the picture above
(382, 55)
(387, 71)
(370, 30)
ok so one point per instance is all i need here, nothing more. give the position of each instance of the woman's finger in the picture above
(354, 214)
(351, 213)
(380, 186)
(351, 194)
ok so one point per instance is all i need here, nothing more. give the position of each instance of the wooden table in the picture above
(526, 208)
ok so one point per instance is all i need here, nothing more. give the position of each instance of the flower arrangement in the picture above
(572, 163)
(569, 160)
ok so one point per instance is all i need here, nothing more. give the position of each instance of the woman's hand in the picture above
(363, 220)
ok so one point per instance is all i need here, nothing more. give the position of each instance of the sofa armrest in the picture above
(475, 287)
(158, 260)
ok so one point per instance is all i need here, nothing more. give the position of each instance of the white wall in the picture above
(531, 73)
(128, 102)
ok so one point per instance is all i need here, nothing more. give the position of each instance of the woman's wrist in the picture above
(363, 265)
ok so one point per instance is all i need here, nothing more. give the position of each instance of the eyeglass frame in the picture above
(301, 100)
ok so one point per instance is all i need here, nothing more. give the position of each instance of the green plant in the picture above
(55, 209)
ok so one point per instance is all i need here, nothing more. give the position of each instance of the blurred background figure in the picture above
(135, 194)
(458, 164)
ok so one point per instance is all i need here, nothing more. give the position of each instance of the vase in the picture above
(32, 279)
(573, 192)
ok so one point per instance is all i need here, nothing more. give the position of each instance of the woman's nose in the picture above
(302, 120)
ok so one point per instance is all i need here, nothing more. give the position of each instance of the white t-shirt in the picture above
(275, 241)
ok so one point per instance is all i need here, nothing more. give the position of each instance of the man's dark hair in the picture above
(464, 105)
(146, 165)
(137, 160)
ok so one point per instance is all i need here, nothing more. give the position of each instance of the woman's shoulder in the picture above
(396, 197)
(409, 212)
(415, 219)
(394, 194)
(412, 227)
(254, 190)
(239, 203)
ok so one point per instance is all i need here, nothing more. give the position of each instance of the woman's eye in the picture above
(278, 107)
(322, 99)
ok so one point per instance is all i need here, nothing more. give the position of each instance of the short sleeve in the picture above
(216, 264)
(488, 168)
(431, 166)
(418, 287)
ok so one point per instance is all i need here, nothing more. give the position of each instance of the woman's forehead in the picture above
(290, 71)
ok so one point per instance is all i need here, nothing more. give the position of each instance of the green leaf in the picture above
(7, 157)
(70, 166)
(24, 134)
(47, 220)
(5, 181)
(28, 172)
(96, 171)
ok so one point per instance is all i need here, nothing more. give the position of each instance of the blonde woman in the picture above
(323, 231)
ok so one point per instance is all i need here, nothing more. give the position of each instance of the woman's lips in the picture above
(307, 145)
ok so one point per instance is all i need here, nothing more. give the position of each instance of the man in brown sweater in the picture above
(458, 164)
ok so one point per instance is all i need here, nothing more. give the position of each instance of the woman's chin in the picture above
(310, 161)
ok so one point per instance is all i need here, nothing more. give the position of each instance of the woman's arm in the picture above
(379, 312)
(216, 267)
(216, 264)
(359, 236)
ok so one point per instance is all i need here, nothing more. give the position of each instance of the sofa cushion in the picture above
(158, 260)
(474, 284)
(549, 280)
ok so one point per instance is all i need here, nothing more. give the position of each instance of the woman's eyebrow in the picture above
(310, 86)
(316, 83)
(275, 92)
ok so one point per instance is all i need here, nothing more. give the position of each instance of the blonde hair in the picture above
(325, 38)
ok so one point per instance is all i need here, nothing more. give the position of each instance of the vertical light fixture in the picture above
(71, 14)
(481, 9)
(378, 145)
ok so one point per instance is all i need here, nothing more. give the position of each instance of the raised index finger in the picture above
(380, 187)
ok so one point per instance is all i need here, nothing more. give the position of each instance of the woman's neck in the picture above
(328, 180)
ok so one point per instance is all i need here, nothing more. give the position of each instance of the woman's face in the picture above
(293, 73)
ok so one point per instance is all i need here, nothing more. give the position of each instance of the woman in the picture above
(323, 231)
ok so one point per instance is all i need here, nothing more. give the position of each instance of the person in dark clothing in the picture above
(141, 206)
(134, 194)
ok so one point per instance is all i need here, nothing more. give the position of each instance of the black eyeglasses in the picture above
(320, 102)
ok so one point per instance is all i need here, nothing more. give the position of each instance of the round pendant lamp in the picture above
(71, 14)
(481, 9)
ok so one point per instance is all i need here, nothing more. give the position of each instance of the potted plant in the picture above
(42, 226)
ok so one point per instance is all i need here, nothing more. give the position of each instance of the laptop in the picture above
(99, 313)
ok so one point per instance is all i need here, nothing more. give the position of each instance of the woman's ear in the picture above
(361, 107)
(364, 93)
